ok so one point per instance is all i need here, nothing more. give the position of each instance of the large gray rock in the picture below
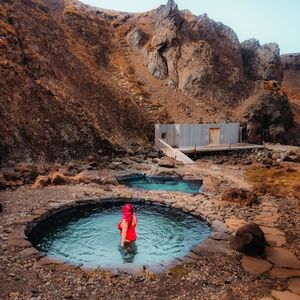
(156, 65)
(136, 38)
(262, 62)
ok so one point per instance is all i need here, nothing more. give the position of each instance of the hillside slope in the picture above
(77, 80)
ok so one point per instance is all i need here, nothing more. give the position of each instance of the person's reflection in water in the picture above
(127, 227)
(128, 252)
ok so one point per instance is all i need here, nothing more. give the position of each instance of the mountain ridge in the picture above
(102, 79)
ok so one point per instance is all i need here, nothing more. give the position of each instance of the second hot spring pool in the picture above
(89, 235)
(162, 183)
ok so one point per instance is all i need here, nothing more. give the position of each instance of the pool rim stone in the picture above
(24, 225)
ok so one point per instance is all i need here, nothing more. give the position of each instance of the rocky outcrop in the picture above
(261, 62)
(136, 38)
(291, 61)
(156, 65)
(199, 56)
(269, 117)
(250, 240)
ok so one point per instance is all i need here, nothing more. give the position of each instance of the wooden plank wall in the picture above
(191, 135)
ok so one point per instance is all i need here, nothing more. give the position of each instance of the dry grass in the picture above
(57, 178)
(283, 182)
(272, 85)
(3, 43)
(149, 46)
(6, 28)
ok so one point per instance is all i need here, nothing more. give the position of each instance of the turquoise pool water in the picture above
(162, 183)
(90, 235)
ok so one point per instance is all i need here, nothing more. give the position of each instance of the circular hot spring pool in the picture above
(89, 235)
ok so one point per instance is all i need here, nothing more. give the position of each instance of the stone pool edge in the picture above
(217, 241)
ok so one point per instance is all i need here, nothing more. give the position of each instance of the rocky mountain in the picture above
(76, 80)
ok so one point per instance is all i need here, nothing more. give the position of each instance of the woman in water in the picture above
(127, 227)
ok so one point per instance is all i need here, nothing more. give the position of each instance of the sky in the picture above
(266, 20)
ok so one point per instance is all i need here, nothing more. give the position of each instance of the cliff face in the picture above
(291, 86)
(76, 80)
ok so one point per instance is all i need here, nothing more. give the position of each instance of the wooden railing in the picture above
(175, 153)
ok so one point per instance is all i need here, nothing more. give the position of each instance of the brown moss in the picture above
(278, 182)
(55, 178)
(240, 196)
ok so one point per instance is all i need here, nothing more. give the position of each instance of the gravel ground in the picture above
(218, 276)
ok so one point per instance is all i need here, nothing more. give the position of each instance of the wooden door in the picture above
(214, 136)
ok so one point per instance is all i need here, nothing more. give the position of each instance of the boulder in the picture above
(167, 162)
(250, 240)
(153, 154)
